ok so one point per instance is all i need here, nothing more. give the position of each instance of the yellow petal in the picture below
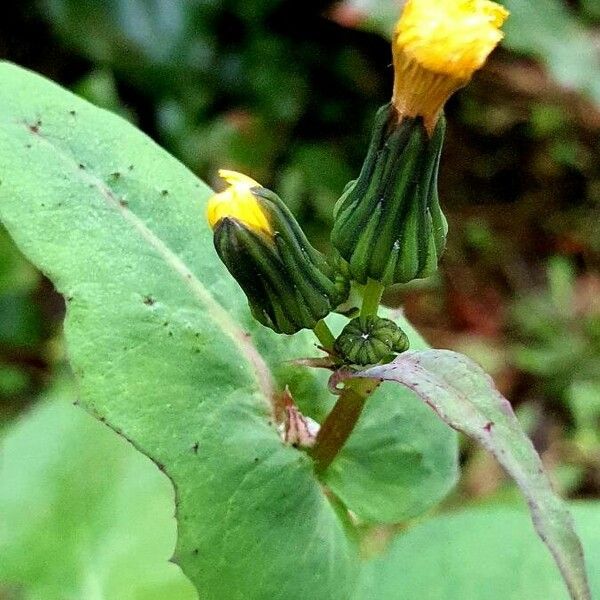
(438, 45)
(453, 37)
(235, 178)
(238, 202)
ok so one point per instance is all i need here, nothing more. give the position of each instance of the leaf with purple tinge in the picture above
(464, 396)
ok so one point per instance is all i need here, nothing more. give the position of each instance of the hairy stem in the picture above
(371, 298)
(340, 422)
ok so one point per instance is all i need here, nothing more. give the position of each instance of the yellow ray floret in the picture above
(453, 37)
(438, 45)
(238, 202)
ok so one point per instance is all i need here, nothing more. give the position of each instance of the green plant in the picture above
(165, 352)
(559, 334)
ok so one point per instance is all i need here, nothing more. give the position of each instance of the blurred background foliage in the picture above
(286, 92)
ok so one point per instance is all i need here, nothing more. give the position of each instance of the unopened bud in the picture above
(368, 340)
(388, 224)
(288, 283)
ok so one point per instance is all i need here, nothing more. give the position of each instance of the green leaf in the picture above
(119, 227)
(487, 553)
(83, 514)
(465, 398)
(157, 333)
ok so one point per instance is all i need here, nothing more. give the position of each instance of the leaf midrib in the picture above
(260, 371)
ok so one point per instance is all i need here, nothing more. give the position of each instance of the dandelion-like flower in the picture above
(389, 226)
(437, 46)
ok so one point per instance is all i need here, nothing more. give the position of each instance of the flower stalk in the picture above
(340, 422)
(372, 293)
(324, 335)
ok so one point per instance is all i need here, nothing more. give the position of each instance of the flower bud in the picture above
(388, 224)
(368, 340)
(288, 283)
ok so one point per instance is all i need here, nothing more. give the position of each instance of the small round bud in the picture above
(368, 340)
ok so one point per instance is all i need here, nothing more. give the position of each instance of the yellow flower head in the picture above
(238, 202)
(438, 45)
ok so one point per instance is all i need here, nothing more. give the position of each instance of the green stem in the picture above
(371, 298)
(324, 335)
(340, 422)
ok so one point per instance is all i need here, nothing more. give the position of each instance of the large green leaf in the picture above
(118, 225)
(82, 514)
(465, 398)
(157, 335)
(488, 553)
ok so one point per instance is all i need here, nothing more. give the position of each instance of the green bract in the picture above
(388, 223)
(367, 340)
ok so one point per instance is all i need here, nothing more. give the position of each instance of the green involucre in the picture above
(289, 285)
(367, 340)
(388, 223)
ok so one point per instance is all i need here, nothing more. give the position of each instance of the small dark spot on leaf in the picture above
(35, 128)
(488, 426)
(69, 298)
(164, 193)
(28, 146)
(123, 202)
(170, 334)
(149, 300)
(195, 551)
(256, 459)
(130, 167)
(166, 324)
(195, 448)
(116, 174)
(72, 113)
(81, 166)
